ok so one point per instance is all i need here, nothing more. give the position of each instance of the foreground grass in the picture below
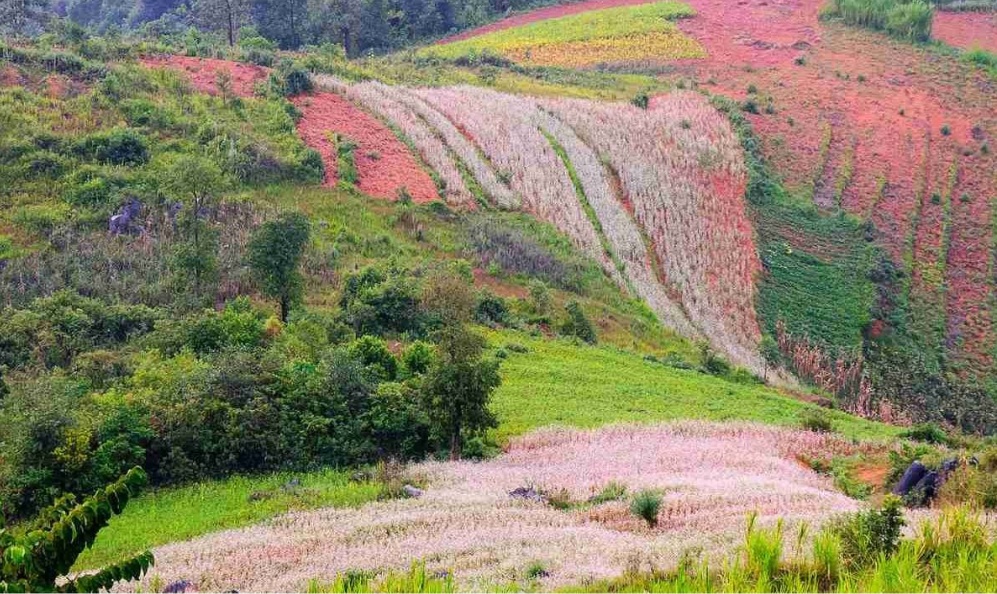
(171, 515)
(558, 382)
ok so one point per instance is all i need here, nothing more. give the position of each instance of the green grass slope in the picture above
(177, 514)
(560, 383)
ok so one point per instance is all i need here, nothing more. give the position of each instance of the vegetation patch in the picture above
(629, 34)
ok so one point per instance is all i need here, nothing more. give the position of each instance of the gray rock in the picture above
(527, 494)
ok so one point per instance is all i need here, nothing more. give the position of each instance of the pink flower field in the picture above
(711, 477)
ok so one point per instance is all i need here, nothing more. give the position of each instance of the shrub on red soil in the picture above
(203, 72)
(384, 163)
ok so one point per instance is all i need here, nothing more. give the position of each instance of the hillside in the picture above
(898, 136)
(610, 295)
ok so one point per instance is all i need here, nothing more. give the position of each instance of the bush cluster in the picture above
(216, 393)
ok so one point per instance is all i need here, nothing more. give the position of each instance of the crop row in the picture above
(664, 185)
(505, 127)
(437, 139)
(618, 226)
(681, 168)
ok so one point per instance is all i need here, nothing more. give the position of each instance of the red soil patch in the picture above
(873, 474)
(58, 87)
(10, 77)
(966, 29)
(384, 164)
(203, 72)
(860, 123)
(542, 14)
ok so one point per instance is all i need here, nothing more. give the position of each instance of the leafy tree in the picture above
(281, 20)
(377, 301)
(38, 557)
(196, 182)
(578, 323)
(275, 252)
(449, 297)
(457, 390)
(375, 356)
(23, 17)
(223, 15)
(770, 352)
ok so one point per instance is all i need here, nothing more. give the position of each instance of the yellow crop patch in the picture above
(660, 45)
(627, 34)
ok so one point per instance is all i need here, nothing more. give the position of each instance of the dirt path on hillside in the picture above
(385, 165)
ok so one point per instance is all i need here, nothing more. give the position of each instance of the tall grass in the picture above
(905, 19)
(951, 553)
(415, 580)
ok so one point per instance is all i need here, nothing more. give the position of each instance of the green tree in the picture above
(223, 15)
(275, 255)
(769, 349)
(39, 556)
(196, 183)
(23, 17)
(458, 388)
(283, 21)
(578, 324)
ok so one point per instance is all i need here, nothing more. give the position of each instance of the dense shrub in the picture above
(816, 420)
(376, 301)
(51, 331)
(578, 324)
(869, 534)
(906, 19)
(290, 79)
(491, 309)
(712, 362)
(373, 353)
(399, 426)
(417, 359)
(645, 505)
(120, 146)
(237, 326)
(928, 433)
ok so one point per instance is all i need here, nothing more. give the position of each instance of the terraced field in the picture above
(680, 239)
